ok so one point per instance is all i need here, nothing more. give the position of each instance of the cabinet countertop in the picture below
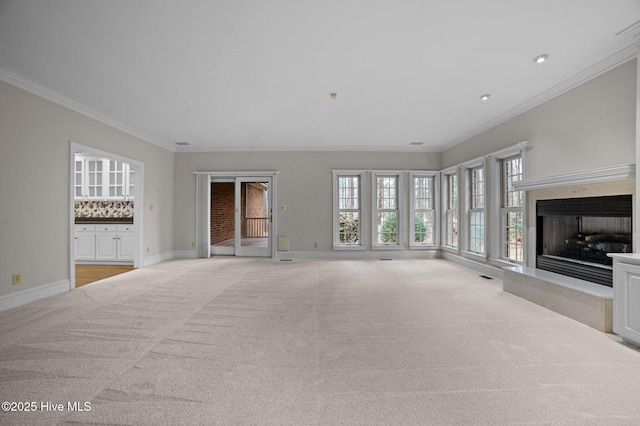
(98, 221)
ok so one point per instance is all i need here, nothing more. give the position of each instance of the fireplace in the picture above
(574, 235)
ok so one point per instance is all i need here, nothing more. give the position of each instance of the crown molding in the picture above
(605, 174)
(632, 30)
(582, 77)
(314, 148)
(55, 97)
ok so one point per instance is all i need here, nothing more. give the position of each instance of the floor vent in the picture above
(286, 260)
(486, 277)
(386, 259)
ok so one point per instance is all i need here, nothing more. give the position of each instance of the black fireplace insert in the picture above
(574, 235)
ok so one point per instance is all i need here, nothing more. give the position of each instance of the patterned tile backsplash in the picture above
(103, 209)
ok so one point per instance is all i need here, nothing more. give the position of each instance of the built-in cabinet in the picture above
(626, 296)
(104, 242)
(102, 179)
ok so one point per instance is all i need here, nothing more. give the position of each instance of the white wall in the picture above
(34, 186)
(304, 186)
(588, 127)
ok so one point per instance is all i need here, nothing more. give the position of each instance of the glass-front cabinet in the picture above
(102, 179)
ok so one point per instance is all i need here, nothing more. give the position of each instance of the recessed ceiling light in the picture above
(541, 58)
(485, 97)
(334, 95)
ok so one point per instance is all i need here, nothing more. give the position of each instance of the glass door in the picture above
(223, 216)
(241, 216)
(253, 216)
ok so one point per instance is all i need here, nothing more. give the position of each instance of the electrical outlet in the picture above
(315, 245)
(193, 243)
(151, 207)
(147, 249)
(16, 278)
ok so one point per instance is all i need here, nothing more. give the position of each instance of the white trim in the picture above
(605, 174)
(607, 64)
(632, 30)
(481, 268)
(237, 174)
(511, 151)
(363, 254)
(55, 97)
(162, 257)
(203, 215)
(311, 148)
(19, 298)
(187, 254)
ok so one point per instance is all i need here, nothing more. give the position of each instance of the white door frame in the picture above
(203, 208)
(138, 205)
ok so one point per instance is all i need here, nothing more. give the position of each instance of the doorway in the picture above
(235, 215)
(105, 214)
(241, 216)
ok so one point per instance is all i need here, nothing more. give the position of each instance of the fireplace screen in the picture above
(575, 235)
(586, 238)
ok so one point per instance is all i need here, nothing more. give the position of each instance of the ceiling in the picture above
(259, 74)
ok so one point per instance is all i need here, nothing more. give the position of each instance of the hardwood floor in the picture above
(86, 274)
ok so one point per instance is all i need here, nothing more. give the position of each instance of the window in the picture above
(423, 210)
(476, 210)
(347, 219)
(386, 210)
(451, 210)
(512, 211)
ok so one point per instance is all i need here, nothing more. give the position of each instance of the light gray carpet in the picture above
(235, 341)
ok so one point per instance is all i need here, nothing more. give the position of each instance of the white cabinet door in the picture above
(106, 247)
(626, 301)
(85, 242)
(85, 246)
(125, 246)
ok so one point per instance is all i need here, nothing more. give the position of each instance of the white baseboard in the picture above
(482, 268)
(152, 260)
(31, 295)
(373, 254)
(189, 254)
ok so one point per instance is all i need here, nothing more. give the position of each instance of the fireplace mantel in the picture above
(605, 174)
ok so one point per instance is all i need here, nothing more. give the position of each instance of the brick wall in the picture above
(222, 211)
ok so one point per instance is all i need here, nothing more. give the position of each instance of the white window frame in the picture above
(504, 210)
(435, 179)
(447, 210)
(399, 210)
(337, 245)
(470, 209)
(497, 195)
